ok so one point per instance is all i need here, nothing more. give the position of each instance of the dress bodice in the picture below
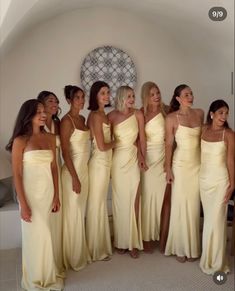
(107, 134)
(188, 143)
(79, 142)
(126, 132)
(38, 156)
(155, 130)
(213, 153)
(105, 155)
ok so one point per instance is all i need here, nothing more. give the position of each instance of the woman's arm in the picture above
(141, 136)
(169, 147)
(66, 130)
(54, 171)
(200, 113)
(96, 124)
(17, 168)
(141, 141)
(229, 138)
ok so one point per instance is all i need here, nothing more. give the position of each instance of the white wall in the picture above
(49, 56)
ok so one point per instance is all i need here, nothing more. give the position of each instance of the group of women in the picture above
(162, 161)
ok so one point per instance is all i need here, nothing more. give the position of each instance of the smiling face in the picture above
(51, 105)
(39, 118)
(186, 97)
(103, 96)
(220, 116)
(154, 96)
(78, 100)
(130, 99)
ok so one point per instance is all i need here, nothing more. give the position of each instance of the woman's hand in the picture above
(228, 194)
(56, 204)
(76, 185)
(25, 213)
(142, 164)
(169, 176)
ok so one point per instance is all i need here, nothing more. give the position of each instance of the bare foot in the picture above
(191, 259)
(108, 258)
(120, 251)
(181, 259)
(134, 253)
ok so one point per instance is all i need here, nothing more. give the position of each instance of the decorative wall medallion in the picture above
(109, 64)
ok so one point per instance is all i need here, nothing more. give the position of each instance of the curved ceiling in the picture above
(185, 18)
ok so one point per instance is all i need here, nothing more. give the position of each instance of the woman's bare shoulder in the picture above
(111, 115)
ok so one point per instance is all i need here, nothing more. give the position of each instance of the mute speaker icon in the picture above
(219, 278)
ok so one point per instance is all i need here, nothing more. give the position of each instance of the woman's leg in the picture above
(165, 218)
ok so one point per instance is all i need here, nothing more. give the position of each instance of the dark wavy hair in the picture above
(42, 96)
(23, 124)
(70, 91)
(95, 88)
(216, 105)
(174, 104)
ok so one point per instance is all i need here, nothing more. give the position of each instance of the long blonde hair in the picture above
(145, 92)
(121, 96)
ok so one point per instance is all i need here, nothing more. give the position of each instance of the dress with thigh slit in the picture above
(153, 181)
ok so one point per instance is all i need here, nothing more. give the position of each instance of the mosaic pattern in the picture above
(108, 64)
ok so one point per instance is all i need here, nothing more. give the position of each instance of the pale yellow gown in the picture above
(183, 237)
(97, 224)
(125, 176)
(76, 254)
(38, 263)
(153, 181)
(214, 181)
(57, 218)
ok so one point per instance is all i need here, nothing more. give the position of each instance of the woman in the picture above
(216, 186)
(153, 181)
(75, 138)
(97, 225)
(183, 127)
(36, 182)
(128, 125)
(51, 105)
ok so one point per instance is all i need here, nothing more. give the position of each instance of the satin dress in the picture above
(214, 181)
(76, 254)
(183, 237)
(57, 218)
(125, 175)
(153, 181)
(38, 263)
(97, 225)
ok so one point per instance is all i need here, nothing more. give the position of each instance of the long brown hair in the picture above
(174, 104)
(23, 125)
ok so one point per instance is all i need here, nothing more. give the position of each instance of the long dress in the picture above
(153, 181)
(76, 254)
(183, 237)
(214, 181)
(56, 218)
(125, 175)
(38, 263)
(97, 224)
